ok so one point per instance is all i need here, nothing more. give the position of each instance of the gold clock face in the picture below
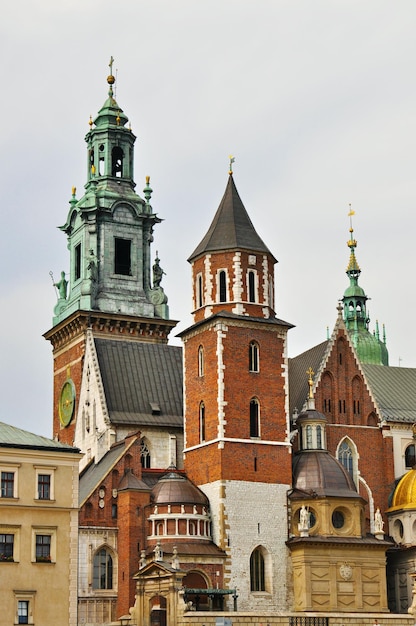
(67, 402)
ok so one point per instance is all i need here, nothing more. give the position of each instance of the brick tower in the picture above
(112, 290)
(236, 428)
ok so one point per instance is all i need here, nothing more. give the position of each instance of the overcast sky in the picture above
(315, 99)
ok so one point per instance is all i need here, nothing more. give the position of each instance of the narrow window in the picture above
(309, 437)
(43, 548)
(23, 611)
(199, 293)
(410, 456)
(223, 286)
(122, 256)
(257, 579)
(102, 577)
(77, 267)
(7, 484)
(44, 486)
(6, 547)
(202, 421)
(114, 511)
(201, 363)
(101, 170)
(251, 286)
(117, 162)
(319, 437)
(255, 464)
(253, 357)
(254, 418)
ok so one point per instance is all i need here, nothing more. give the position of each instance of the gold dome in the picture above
(405, 493)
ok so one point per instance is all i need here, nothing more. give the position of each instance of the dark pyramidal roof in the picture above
(231, 227)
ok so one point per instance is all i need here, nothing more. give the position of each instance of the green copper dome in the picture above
(369, 347)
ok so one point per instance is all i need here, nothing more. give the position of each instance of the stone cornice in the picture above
(155, 330)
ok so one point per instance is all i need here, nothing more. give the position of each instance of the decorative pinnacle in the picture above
(147, 191)
(232, 159)
(352, 244)
(310, 374)
(90, 122)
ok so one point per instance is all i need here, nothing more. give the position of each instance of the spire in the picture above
(356, 316)
(231, 227)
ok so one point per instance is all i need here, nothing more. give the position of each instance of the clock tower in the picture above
(113, 289)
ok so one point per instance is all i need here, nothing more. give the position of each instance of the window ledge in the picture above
(40, 500)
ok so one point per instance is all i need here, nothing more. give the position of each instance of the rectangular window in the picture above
(7, 484)
(6, 547)
(43, 548)
(44, 486)
(77, 262)
(23, 611)
(122, 256)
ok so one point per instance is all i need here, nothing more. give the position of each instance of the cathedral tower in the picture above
(236, 430)
(112, 288)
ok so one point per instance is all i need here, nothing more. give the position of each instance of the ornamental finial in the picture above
(232, 159)
(310, 374)
(110, 78)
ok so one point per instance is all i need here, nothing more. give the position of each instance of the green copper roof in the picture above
(231, 227)
(13, 437)
(369, 347)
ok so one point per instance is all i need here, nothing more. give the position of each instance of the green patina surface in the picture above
(370, 348)
(110, 229)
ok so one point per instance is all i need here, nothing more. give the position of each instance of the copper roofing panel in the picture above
(318, 472)
(176, 489)
(10, 436)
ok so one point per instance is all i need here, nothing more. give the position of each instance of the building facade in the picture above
(38, 529)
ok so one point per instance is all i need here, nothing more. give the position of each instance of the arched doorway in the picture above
(196, 582)
(158, 611)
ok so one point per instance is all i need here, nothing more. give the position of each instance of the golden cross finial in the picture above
(232, 159)
(310, 374)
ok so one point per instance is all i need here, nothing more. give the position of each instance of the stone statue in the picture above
(92, 266)
(158, 552)
(175, 560)
(142, 562)
(378, 522)
(303, 518)
(157, 273)
(62, 286)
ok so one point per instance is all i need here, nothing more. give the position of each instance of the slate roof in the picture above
(231, 227)
(394, 389)
(298, 380)
(142, 382)
(12, 437)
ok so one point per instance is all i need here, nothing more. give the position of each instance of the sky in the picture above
(315, 100)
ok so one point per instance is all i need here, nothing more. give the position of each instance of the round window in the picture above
(338, 519)
(312, 519)
(398, 530)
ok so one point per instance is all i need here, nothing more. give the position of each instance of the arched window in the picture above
(117, 162)
(254, 418)
(253, 357)
(202, 421)
(410, 455)
(102, 577)
(252, 286)
(199, 292)
(257, 577)
(345, 457)
(222, 278)
(144, 454)
(201, 361)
